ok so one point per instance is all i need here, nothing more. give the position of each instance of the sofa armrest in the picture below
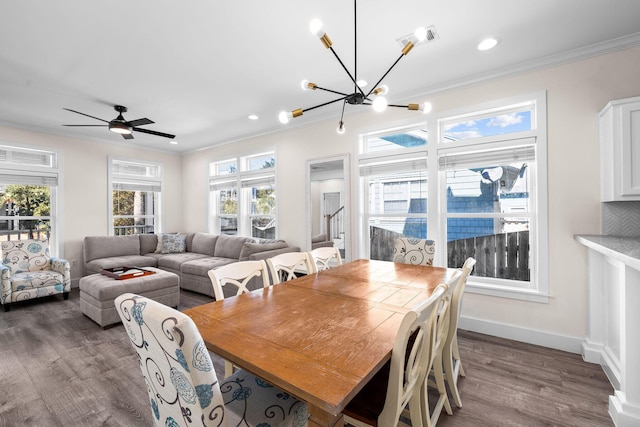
(268, 254)
(63, 267)
(5, 286)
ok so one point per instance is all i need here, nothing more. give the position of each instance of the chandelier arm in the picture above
(326, 103)
(397, 105)
(344, 104)
(347, 71)
(374, 87)
(332, 91)
(355, 44)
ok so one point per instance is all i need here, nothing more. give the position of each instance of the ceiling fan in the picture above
(122, 126)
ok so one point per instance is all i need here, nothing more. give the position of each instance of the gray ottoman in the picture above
(97, 293)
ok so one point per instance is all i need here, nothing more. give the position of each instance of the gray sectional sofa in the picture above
(202, 253)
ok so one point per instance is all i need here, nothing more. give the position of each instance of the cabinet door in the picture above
(630, 139)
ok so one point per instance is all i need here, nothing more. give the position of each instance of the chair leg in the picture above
(6, 306)
(456, 355)
(451, 375)
(65, 295)
(442, 390)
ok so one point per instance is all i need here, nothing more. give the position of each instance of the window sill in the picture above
(507, 292)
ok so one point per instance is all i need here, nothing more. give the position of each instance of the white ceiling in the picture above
(199, 68)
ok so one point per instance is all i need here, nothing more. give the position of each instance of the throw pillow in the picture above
(174, 243)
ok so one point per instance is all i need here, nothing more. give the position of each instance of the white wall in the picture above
(84, 188)
(575, 94)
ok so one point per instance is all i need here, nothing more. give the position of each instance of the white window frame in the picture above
(436, 213)
(240, 180)
(151, 181)
(32, 174)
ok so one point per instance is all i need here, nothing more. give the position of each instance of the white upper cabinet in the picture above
(620, 150)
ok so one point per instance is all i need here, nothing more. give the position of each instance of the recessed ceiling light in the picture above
(174, 142)
(253, 117)
(488, 43)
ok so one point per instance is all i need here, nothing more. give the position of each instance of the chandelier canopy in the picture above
(376, 96)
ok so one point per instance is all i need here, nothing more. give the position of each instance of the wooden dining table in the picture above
(320, 337)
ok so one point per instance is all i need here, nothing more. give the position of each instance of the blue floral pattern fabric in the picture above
(28, 271)
(414, 251)
(181, 381)
(174, 243)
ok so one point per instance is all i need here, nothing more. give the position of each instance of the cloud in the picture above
(468, 124)
(505, 120)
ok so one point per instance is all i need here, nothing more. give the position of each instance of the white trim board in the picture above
(516, 333)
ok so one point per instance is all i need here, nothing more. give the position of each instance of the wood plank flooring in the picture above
(58, 368)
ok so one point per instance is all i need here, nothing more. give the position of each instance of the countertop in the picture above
(625, 249)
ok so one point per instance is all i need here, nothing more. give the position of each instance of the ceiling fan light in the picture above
(379, 104)
(120, 128)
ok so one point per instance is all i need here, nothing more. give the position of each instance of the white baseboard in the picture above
(516, 333)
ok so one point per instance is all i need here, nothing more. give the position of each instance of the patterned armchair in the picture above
(28, 271)
(182, 383)
(414, 251)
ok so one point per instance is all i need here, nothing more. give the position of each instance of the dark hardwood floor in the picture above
(58, 368)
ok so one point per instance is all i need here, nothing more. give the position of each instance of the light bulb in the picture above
(420, 34)
(285, 116)
(425, 107)
(315, 26)
(362, 83)
(341, 129)
(379, 104)
(304, 85)
(381, 90)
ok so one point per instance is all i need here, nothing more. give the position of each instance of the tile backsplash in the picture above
(621, 218)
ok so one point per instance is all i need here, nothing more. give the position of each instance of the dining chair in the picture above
(283, 267)
(238, 274)
(442, 322)
(450, 353)
(325, 258)
(408, 250)
(403, 375)
(181, 380)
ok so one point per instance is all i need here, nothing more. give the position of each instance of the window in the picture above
(243, 200)
(136, 189)
(486, 174)
(28, 194)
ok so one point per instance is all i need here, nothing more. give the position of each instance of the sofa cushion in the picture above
(229, 246)
(174, 261)
(174, 243)
(204, 243)
(249, 248)
(148, 243)
(96, 247)
(94, 266)
(200, 267)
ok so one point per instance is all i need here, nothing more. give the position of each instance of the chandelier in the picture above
(376, 96)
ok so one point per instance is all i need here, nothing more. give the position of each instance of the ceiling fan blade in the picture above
(140, 122)
(78, 112)
(101, 126)
(127, 136)
(152, 132)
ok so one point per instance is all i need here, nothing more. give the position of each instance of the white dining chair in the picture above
(325, 258)
(430, 417)
(238, 274)
(403, 376)
(451, 361)
(181, 381)
(284, 267)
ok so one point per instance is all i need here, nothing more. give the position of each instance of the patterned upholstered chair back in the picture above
(182, 383)
(414, 251)
(26, 255)
(175, 363)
